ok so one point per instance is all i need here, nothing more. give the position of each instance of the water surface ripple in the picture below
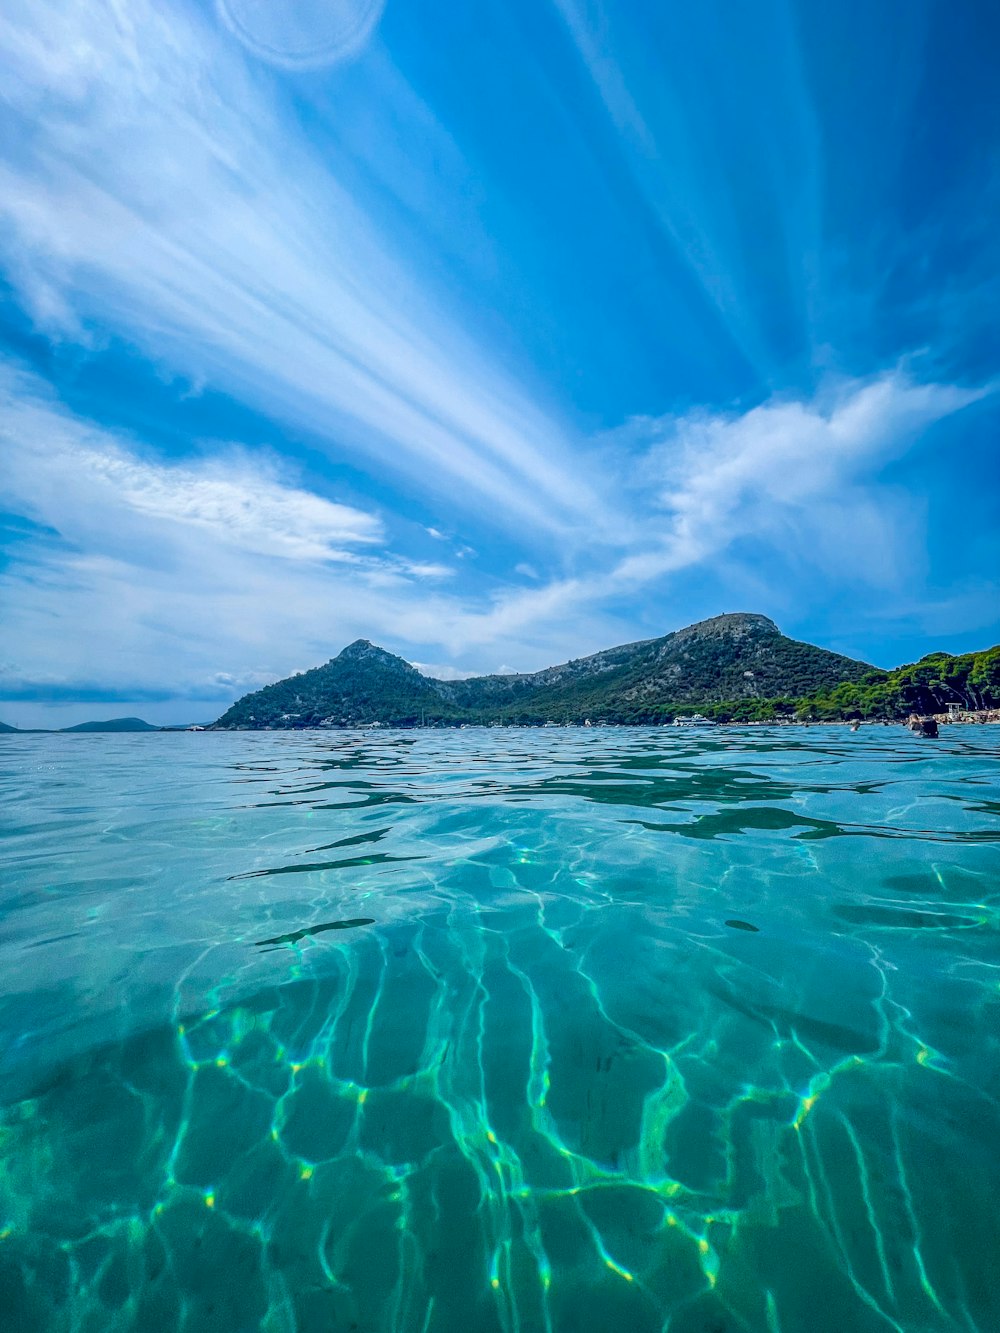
(547, 1031)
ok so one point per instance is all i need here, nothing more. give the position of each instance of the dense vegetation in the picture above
(363, 685)
(734, 668)
(732, 657)
(971, 680)
(742, 657)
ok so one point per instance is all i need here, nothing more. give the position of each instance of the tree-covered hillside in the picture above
(363, 685)
(970, 680)
(730, 657)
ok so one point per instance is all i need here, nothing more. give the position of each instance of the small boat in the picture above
(695, 720)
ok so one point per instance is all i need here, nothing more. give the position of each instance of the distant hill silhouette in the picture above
(113, 724)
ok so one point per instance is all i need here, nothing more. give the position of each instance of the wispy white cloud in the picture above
(800, 474)
(195, 578)
(798, 480)
(71, 475)
(972, 605)
(157, 188)
(194, 581)
(427, 569)
(691, 167)
(164, 575)
(440, 670)
(242, 503)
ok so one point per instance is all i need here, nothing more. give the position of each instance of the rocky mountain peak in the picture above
(362, 648)
(369, 654)
(733, 623)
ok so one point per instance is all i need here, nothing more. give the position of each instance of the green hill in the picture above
(364, 684)
(113, 724)
(969, 680)
(740, 656)
(730, 657)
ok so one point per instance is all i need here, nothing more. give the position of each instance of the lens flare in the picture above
(302, 34)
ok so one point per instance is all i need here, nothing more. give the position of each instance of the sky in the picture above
(495, 333)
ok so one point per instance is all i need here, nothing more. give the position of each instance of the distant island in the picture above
(110, 725)
(731, 668)
(113, 724)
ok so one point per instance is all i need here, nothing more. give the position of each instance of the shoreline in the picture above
(984, 717)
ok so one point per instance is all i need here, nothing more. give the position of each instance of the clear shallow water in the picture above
(484, 1030)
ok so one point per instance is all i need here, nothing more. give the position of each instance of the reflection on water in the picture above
(563, 1031)
(294, 936)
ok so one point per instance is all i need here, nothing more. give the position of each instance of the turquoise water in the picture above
(570, 1031)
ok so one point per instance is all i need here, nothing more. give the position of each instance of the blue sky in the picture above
(495, 333)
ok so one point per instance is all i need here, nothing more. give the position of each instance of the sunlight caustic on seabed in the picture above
(519, 1068)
